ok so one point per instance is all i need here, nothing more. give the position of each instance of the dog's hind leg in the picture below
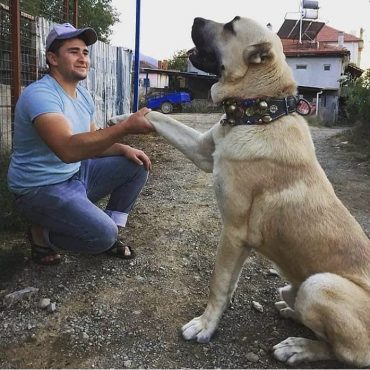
(231, 255)
(336, 310)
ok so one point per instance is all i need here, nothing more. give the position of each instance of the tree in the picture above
(358, 102)
(98, 14)
(179, 61)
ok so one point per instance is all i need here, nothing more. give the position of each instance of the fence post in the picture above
(75, 13)
(66, 10)
(15, 26)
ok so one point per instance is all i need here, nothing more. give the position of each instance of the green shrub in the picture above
(358, 103)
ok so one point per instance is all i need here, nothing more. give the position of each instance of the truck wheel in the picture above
(166, 107)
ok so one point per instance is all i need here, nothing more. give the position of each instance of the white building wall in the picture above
(315, 75)
(156, 80)
(352, 47)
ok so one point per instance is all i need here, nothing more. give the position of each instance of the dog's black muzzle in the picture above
(203, 56)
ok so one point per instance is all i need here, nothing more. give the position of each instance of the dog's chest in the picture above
(235, 143)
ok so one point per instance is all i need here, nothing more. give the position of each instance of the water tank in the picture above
(310, 13)
(310, 4)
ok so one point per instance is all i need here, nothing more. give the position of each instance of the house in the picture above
(320, 58)
(332, 37)
(150, 78)
(153, 79)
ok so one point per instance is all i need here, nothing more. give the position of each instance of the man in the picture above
(61, 164)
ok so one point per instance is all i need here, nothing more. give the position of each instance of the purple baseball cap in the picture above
(67, 31)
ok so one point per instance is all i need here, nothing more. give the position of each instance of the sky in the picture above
(165, 25)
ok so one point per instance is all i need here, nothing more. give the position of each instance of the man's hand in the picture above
(137, 156)
(137, 123)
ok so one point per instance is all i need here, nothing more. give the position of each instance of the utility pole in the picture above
(137, 59)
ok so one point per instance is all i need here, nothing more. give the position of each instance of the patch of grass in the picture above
(314, 121)
(13, 249)
(358, 140)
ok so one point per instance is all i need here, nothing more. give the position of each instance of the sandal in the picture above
(121, 250)
(43, 255)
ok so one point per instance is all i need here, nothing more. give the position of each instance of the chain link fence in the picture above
(22, 61)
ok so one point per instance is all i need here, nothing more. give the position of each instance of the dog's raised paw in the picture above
(195, 329)
(114, 120)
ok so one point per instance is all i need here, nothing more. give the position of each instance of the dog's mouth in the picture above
(202, 56)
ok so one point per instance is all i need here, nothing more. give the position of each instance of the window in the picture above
(326, 67)
(301, 66)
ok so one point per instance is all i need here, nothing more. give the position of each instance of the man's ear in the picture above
(51, 58)
(258, 53)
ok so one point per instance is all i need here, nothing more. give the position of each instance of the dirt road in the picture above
(121, 314)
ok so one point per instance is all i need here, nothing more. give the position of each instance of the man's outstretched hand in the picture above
(137, 123)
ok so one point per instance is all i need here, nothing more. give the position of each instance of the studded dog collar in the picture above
(261, 111)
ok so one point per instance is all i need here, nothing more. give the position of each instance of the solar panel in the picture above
(291, 27)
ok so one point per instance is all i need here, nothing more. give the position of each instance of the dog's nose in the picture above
(198, 21)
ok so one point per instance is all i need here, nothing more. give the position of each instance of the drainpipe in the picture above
(317, 102)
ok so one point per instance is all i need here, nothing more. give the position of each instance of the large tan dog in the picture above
(274, 197)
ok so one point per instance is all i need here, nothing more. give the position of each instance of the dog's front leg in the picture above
(196, 146)
(231, 255)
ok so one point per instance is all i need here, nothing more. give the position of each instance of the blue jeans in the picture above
(67, 211)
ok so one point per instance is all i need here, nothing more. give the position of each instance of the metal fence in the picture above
(22, 61)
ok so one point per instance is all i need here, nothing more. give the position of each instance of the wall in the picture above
(314, 75)
(352, 47)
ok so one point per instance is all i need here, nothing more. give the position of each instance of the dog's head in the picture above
(247, 56)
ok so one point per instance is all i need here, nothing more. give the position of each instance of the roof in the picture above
(145, 64)
(294, 48)
(330, 34)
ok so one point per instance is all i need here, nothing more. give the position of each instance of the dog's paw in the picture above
(285, 311)
(294, 350)
(114, 120)
(196, 329)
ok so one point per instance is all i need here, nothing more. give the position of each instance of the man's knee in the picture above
(143, 173)
(103, 239)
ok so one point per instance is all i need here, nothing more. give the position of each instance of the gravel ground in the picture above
(109, 313)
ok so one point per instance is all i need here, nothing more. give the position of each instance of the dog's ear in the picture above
(258, 53)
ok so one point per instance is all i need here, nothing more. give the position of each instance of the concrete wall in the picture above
(315, 75)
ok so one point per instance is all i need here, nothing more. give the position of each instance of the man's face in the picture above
(72, 60)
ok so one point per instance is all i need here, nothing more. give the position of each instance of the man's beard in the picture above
(78, 76)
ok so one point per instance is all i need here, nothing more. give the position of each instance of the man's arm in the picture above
(55, 130)
(196, 146)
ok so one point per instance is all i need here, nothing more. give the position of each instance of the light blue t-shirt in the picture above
(33, 163)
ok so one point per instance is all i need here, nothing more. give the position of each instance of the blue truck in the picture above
(167, 102)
